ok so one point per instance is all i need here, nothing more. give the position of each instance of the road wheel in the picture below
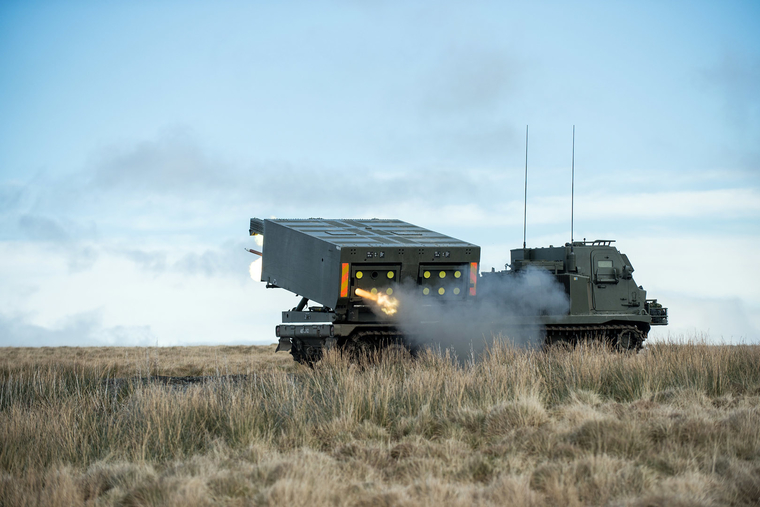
(627, 339)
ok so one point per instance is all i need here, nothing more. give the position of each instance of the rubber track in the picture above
(609, 333)
(366, 341)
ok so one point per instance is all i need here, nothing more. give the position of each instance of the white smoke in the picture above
(507, 307)
(255, 268)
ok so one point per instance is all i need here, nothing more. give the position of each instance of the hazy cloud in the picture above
(42, 228)
(414, 112)
(173, 163)
(190, 197)
(227, 259)
(81, 258)
(83, 329)
(11, 195)
(726, 320)
(151, 261)
(64, 236)
(176, 170)
(60, 229)
(224, 260)
(470, 80)
(718, 203)
(738, 78)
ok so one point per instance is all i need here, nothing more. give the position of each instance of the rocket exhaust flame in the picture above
(255, 270)
(388, 305)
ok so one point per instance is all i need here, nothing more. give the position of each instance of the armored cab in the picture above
(604, 300)
(352, 269)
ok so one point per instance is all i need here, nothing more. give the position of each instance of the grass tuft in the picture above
(674, 425)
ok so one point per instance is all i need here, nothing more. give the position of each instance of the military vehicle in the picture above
(353, 268)
(604, 301)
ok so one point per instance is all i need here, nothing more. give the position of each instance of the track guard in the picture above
(283, 345)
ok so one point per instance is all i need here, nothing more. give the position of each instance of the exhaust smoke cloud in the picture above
(507, 307)
(255, 268)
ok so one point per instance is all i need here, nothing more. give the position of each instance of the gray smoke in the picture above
(507, 307)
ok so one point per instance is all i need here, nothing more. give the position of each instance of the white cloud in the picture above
(715, 320)
(158, 256)
(737, 77)
(470, 81)
(173, 163)
(171, 186)
(715, 267)
(595, 211)
(116, 301)
(719, 203)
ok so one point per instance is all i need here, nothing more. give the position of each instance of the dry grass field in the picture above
(678, 424)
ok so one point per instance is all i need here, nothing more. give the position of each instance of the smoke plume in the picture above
(507, 307)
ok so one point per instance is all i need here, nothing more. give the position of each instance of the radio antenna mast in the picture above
(525, 206)
(572, 192)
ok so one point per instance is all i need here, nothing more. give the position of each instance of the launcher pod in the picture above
(351, 271)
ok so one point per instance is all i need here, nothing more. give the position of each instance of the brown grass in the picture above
(678, 424)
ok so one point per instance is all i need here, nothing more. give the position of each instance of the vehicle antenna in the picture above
(572, 192)
(525, 206)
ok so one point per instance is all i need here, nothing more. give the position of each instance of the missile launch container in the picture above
(325, 261)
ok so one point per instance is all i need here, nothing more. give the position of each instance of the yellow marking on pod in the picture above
(344, 280)
(374, 290)
(441, 291)
(426, 291)
(456, 290)
(473, 278)
(426, 274)
(390, 274)
(457, 274)
(389, 291)
(442, 274)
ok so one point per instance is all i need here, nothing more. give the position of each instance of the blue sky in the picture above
(138, 138)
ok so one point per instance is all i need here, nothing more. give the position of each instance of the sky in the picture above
(137, 139)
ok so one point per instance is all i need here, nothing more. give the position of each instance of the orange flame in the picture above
(389, 305)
